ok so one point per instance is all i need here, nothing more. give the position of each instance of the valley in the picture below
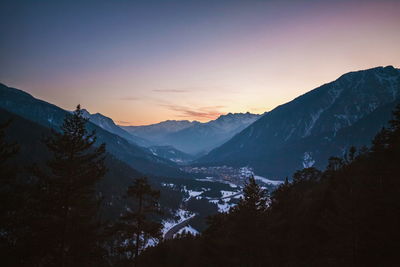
(202, 167)
(222, 188)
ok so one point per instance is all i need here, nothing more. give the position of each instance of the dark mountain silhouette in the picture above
(109, 125)
(51, 116)
(324, 121)
(118, 178)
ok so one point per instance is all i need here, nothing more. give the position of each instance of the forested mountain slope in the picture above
(320, 122)
(51, 116)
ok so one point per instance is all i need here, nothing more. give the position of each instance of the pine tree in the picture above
(7, 174)
(348, 215)
(10, 199)
(380, 141)
(254, 197)
(394, 136)
(135, 228)
(236, 233)
(7, 150)
(66, 194)
(334, 163)
(395, 121)
(388, 137)
(307, 174)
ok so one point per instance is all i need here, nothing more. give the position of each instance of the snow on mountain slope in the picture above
(156, 132)
(203, 137)
(194, 137)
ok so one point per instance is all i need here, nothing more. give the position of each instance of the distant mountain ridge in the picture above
(283, 140)
(301, 133)
(202, 138)
(108, 124)
(195, 137)
(156, 132)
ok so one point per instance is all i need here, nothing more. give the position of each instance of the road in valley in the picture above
(175, 229)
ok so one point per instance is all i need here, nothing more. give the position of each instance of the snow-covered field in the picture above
(151, 243)
(232, 185)
(187, 229)
(188, 192)
(228, 193)
(228, 198)
(267, 181)
(247, 172)
(193, 193)
(223, 203)
(168, 185)
(225, 207)
(207, 179)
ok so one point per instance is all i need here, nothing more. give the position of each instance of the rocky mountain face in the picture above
(325, 120)
(48, 115)
(194, 137)
(109, 125)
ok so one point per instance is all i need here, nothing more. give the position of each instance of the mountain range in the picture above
(304, 132)
(323, 122)
(193, 137)
(169, 139)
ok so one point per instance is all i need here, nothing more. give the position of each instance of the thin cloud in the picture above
(190, 89)
(130, 98)
(211, 112)
(171, 90)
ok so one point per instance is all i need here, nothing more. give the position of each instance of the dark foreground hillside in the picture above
(119, 175)
(347, 215)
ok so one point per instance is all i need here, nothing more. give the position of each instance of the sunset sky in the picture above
(141, 62)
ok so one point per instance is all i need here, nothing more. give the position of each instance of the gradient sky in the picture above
(142, 62)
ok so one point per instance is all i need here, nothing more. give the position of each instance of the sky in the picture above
(142, 62)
